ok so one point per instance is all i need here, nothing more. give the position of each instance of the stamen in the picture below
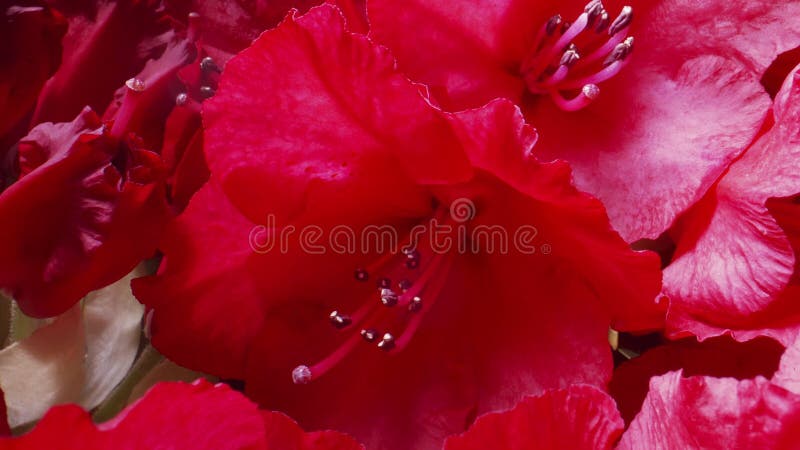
(369, 334)
(388, 297)
(339, 320)
(181, 99)
(208, 64)
(587, 95)
(371, 317)
(622, 21)
(559, 76)
(387, 342)
(207, 91)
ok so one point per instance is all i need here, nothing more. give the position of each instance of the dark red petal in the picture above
(579, 417)
(73, 222)
(144, 112)
(226, 28)
(714, 413)
(733, 260)
(341, 120)
(31, 53)
(719, 357)
(283, 433)
(171, 415)
(205, 308)
(106, 44)
(573, 224)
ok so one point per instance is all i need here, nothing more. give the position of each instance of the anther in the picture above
(412, 259)
(552, 24)
(339, 320)
(369, 334)
(361, 275)
(620, 52)
(415, 304)
(570, 57)
(623, 20)
(594, 10)
(208, 64)
(181, 99)
(602, 22)
(388, 297)
(207, 91)
(590, 91)
(301, 375)
(387, 342)
(135, 84)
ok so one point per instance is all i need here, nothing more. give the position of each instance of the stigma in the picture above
(568, 61)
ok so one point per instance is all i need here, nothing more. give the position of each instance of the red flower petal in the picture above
(718, 357)
(580, 417)
(226, 28)
(733, 260)
(358, 98)
(283, 433)
(206, 252)
(714, 413)
(170, 415)
(107, 43)
(681, 106)
(32, 35)
(75, 223)
(624, 278)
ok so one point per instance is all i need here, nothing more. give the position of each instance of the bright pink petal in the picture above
(788, 374)
(719, 357)
(171, 415)
(733, 260)
(714, 413)
(82, 215)
(289, 125)
(580, 417)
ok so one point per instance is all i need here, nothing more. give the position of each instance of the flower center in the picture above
(407, 285)
(576, 57)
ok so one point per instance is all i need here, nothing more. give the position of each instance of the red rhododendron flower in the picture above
(734, 263)
(655, 128)
(175, 415)
(313, 125)
(694, 412)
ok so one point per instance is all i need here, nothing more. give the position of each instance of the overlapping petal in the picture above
(733, 261)
(178, 415)
(580, 418)
(85, 211)
(661, 132)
